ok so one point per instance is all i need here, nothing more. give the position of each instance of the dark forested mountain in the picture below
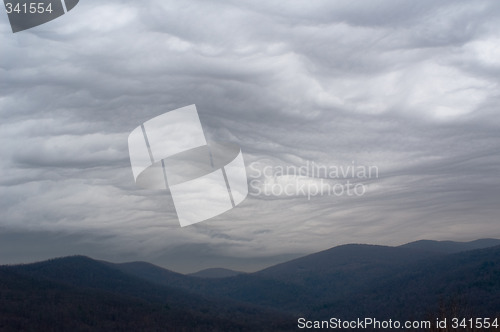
(80, 294)
(406, 282)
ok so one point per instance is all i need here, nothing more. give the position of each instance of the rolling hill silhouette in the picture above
(451, 247)
(79, 293)
(349, 281)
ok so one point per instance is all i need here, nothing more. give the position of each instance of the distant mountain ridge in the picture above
(450, 247)
(100, 296)
(349, 257)
(215, 273)
(356, 280)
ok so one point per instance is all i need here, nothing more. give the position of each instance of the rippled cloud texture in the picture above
(412, 88)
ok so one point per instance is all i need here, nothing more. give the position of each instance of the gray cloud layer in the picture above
(410, 88)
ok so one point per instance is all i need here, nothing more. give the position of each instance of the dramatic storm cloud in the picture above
(409, 88)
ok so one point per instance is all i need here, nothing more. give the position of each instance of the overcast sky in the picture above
(409, 87)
